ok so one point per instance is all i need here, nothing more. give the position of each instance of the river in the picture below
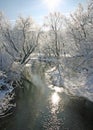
(47, 109)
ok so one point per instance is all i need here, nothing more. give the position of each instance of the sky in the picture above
(37, 8)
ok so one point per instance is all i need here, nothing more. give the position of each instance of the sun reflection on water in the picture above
(55, 102)
(55, 98)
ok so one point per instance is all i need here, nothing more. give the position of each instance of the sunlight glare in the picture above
(52, 4)
(55, 99)
(58, 89)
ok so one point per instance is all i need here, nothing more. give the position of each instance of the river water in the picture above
(47, 109)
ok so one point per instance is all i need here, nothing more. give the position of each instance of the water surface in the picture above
(46, 109)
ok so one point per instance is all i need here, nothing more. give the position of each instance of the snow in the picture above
(6, 95)
(80, 84)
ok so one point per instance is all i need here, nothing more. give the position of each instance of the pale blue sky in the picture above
(37, 8)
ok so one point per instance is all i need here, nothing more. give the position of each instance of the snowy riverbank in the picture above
(80, 84)
(6, 99)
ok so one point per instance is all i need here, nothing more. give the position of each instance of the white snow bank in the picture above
(6, 95)
(80, 84)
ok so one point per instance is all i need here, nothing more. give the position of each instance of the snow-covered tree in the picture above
(80, 33)
(54, 42)
(5, 59)
(21, 40)
(18, 42)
